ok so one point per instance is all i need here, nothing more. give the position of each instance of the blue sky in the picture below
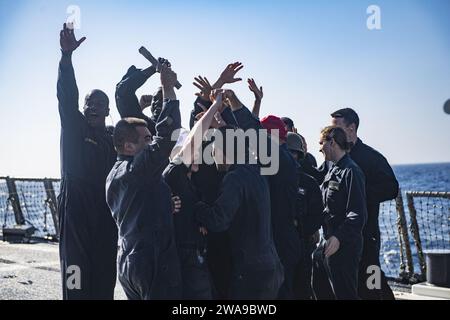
(311, 57)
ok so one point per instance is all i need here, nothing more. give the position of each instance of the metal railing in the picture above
(425, 219)
(32, 202)
(431, 212)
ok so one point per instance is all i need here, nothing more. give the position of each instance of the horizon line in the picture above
(393, 165)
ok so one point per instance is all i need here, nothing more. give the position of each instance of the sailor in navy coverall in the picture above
(88, 234)
(243, 208)
(127, 102)
(191, 243)
(141, 203)
(345, 215)
(381, 185)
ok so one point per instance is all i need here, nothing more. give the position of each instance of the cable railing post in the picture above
(14, 200)
(415, 233)
(52, 203)
(403, 235)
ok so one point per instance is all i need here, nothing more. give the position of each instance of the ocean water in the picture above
(423, 177)
(433, 214)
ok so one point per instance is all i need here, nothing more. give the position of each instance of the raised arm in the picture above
(259, 94)
(202, 103)
(126, 100)
(67, 90)
(228, 75)
(195, 137)
(154, 158)
(239, 115)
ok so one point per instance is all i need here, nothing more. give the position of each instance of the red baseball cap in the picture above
(273, 122)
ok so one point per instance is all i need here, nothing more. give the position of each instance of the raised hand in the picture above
(145, 101)
(228, 75)
(205, 87)
(168, 82)
(162, 63)
(168, 77)
(216, 96)
(165, 62)
(67, 39)
(259, 94)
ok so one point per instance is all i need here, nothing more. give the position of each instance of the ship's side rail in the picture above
(411, 224)
(429, 214)
(33, 202)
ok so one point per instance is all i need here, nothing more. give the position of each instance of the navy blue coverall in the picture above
(308, 161)
(191, 244)
(126, 100)
(309, 220)
(207, 181)
(283, 199)
(283, 194)
(381, 185)
(88, 234)
(243, 207)
(345, 215)
(141, 205)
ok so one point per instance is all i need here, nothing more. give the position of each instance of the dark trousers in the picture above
(88, 251)
(196, 279)
(341, 271)
(291, 263)
(371, 257)
(287, 288)
(252, 284)
(219, 263)
(145, 278)
(303, 275)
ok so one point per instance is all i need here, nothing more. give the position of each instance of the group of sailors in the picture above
(135, 204)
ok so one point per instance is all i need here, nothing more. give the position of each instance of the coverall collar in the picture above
(122, 157)
(341, 161)
(358, 143)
